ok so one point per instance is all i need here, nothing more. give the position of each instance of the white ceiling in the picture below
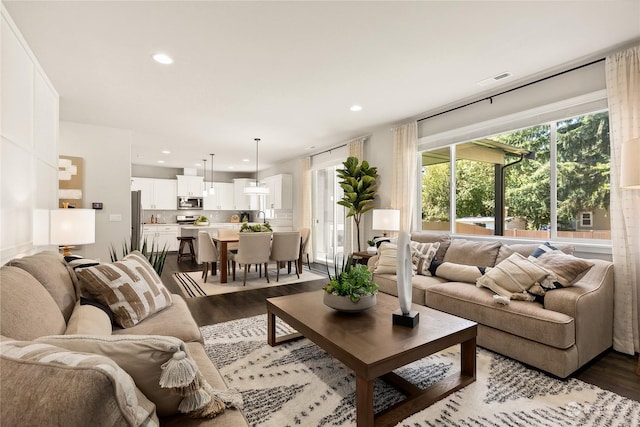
(287, 72)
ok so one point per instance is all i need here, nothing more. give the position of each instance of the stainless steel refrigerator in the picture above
(136, 218)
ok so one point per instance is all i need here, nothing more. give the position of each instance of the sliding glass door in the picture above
(327, 216)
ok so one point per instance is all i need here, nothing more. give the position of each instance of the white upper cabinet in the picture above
(190, 186)
(280, 192)
(157, 193)
(222, 199)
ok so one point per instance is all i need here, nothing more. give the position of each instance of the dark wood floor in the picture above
(611, 370)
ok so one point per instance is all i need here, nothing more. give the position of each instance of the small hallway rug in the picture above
(298, 384)
(192, 285)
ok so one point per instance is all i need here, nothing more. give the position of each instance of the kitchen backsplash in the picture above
(279, 217)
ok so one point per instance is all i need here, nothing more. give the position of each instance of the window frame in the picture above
(546, 115)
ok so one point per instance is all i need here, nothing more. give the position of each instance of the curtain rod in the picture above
(329, 150)
(490, 98)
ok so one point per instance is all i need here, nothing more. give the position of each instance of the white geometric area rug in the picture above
(298, 384)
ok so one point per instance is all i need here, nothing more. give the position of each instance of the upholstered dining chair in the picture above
(285, 246)
(305, 233)
(253, 248)
(207, 254)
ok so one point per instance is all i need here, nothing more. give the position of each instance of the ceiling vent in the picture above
(495, 78)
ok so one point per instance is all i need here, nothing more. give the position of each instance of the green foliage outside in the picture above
(354, 281)
(358, 182)
(154, 253)
(583, 163)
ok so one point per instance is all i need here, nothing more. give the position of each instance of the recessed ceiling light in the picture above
(160, 161)
(230, 167)
(355, 108)
(163, 58)
(166, 152)
(245, 160)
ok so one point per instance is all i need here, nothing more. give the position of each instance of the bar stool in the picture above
(188, 243)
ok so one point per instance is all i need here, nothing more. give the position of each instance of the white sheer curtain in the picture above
(403, 195)
(355, 148)
(623, 92)
(305, 204)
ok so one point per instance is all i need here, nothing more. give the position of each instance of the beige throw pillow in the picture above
(387, 259)
(161, 368)
(567, 268)
(131, 288)
(515, 278)
(88, 320)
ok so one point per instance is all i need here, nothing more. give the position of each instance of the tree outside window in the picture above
(581, 171)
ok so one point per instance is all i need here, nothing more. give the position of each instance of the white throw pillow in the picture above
(387, 259)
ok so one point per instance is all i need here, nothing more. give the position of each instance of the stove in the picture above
(186, 219)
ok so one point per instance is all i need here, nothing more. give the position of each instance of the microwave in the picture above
(189, 202)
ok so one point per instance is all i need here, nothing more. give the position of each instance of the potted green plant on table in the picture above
(351, 289)
(255, 228)
(358, 183)
(202, 220)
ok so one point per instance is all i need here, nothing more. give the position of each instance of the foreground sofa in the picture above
(39, 298)
(558, 335)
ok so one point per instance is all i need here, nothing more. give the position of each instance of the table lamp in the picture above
(386, 220)
(70, 227)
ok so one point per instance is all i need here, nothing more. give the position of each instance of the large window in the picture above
(546, 181)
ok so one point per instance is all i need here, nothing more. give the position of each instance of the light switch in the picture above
(115, 217)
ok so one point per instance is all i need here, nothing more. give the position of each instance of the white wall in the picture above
(107, 179)
(28, 152)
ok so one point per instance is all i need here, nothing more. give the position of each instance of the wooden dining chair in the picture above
(285, 246)
(207, 254)
(253, 248)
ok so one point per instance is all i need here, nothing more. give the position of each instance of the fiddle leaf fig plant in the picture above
(358, 182)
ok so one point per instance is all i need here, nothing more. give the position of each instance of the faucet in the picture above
(264, 216)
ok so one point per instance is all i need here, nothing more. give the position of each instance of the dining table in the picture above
(223, 245)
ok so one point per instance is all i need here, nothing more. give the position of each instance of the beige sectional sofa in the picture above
(38, 298)
(570, 327)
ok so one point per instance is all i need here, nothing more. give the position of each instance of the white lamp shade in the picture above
(386, 219)
(630, 164)
(72, 226)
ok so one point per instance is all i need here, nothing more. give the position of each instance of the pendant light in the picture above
(212, 190)
(256, 190)
(204, 174)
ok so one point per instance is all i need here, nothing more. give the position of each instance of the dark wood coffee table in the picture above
(370, 345)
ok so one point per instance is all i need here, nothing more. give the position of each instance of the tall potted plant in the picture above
(358, 182)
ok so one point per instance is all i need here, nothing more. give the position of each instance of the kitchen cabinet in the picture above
(161, 235)
(222, 199)
(190, 186)
(241, 201)
(156, 193)
(280, 192)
